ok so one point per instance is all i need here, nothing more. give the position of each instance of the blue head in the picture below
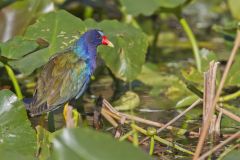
(95, 38)
(86, 46)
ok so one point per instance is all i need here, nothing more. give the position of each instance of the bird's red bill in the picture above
(106, 42)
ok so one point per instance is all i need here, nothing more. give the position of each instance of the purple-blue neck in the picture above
(87, 52)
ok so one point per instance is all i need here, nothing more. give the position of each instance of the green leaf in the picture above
(233, 78)
(186, 101)
(192, 75)
(149, 71)
(170, 3)
(25, 64)
(130, 47)
(17, 47)
(128, 101)
(228, 30)
(86, 144)
(234, 6)
(17, 138)
(43, 143)
(168, 85)
(1, 64)
(54, 28)
(137, 7)
(22, 13)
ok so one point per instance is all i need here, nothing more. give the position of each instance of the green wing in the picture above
(61, 79)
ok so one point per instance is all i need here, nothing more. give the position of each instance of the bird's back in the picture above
(63, 78)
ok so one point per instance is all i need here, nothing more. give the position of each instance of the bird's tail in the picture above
(31, 110)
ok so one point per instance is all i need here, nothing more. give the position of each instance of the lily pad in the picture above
(17, 138)
(150, 70)
(86, 144)
(128, 101)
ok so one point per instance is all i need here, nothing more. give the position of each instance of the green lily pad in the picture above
(17, 138)
(86, 144)
(150, 70)
(128, 101)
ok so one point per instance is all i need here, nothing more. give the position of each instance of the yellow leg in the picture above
(71, 116)
(65, 109)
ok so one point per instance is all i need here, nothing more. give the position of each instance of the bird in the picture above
(66, 75)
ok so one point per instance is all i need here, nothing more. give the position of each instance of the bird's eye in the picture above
(99, 36)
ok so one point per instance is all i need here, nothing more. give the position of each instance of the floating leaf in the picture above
(128, 101)
(17, 138)
(86, 144)
(149, 71)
